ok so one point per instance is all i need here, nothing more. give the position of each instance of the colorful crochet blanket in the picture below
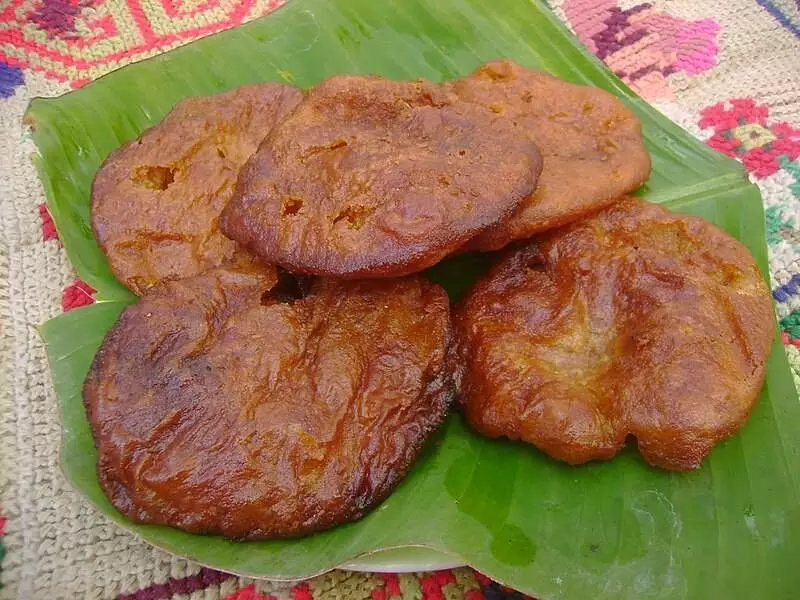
(726, 70)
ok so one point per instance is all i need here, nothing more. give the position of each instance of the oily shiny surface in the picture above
(591, 144)
(218, 406)
(635, 321)
(375, 178)
(156, 200)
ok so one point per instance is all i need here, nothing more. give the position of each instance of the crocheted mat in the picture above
(726, 70)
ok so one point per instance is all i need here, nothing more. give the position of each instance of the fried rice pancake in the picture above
(591, 145)
(156, 200)
(376, 178)
(635, 322)
(219, 406)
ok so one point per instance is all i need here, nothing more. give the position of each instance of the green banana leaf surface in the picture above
(614, 530)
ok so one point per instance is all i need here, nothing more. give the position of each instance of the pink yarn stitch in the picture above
(642, 45)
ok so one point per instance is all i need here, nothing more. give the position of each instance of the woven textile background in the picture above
(726, 70)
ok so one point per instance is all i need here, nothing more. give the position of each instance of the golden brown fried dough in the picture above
(635, 322)
(591, 145)
(377, 178)
(218, 406)
(156, 200)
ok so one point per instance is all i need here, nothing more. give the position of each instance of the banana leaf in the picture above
(617, 530)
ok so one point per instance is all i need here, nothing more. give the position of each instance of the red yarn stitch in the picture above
(761, 162)
(724, 144)
(445, 577)
(786, 145)
(302, 592)
(48, 227)
(780, 143)
(77, 294)
(392, 582)
(248, 593)
(717, 117)
(431, 590)
(379, 593)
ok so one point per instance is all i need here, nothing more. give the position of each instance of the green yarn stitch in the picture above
(793, 355)
(775, 222)
(791, 323)
(793, 168)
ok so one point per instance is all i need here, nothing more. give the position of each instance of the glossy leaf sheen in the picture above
(614, 530)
